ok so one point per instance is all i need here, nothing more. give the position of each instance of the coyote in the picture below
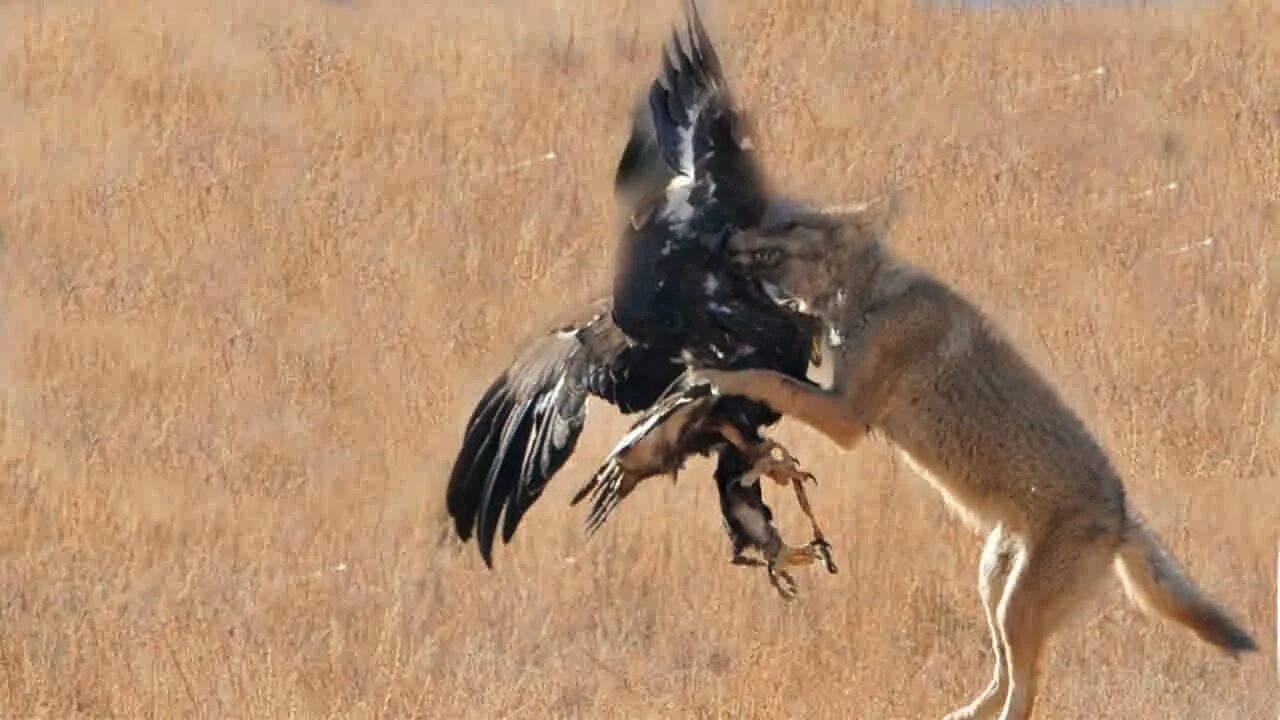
(922, 366)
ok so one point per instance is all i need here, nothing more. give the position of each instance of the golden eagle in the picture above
(689, 176)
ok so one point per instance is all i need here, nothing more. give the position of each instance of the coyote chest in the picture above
(958, 424)
(965, 505)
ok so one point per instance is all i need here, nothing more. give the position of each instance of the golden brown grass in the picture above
(260, 258)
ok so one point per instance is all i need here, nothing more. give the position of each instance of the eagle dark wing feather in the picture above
(673, 287)
(527, 423)
(702, 133)
(714, 186)
(641, 173)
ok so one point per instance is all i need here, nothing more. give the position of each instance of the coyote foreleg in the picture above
(866, 368)
(828, 411)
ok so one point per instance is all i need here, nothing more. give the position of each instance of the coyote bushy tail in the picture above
(1155, 582)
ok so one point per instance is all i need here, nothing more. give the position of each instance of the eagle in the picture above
(689, 177)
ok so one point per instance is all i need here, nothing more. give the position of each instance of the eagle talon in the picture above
(786, 471)
(775, 461)
(782, 581)
(823, 549)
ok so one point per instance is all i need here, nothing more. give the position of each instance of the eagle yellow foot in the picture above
(796, 557)
(788, 556)
(823, 548)
(771, 459)
(781, 580)
(776, 462)
(817, 550)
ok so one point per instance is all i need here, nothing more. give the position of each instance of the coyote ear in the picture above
(870, 219)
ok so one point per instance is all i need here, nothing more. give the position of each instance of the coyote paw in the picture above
(980, 709)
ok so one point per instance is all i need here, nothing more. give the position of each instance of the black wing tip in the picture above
(689, 76)
(508, 455)
(469, 497)
(699, 40)
(701, 51)
(486, 554)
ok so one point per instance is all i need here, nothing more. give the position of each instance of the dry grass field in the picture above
(260, 258)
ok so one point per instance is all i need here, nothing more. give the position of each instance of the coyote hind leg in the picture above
(1052, 576)
(993, 574)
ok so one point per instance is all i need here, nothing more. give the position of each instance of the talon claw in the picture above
(781, 578)
(824, 553)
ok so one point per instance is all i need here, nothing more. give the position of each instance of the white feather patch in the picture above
(678, 208)
(686, 144)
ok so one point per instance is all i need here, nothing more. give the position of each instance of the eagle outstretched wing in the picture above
(527, 423)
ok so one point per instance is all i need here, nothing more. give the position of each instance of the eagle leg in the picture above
(770, 458)
(788, 556)
(784, 469)
(819, 543)
(767, 457)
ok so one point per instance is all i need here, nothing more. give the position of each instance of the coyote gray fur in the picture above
(922, 366)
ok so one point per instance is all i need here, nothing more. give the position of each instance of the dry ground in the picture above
(260, 258)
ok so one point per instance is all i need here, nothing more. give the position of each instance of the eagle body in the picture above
(690, 179)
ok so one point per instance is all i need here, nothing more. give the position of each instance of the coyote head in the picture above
(808, 260)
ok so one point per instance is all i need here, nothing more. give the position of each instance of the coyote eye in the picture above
(766, 256)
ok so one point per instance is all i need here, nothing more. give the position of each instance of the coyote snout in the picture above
(918, 363)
